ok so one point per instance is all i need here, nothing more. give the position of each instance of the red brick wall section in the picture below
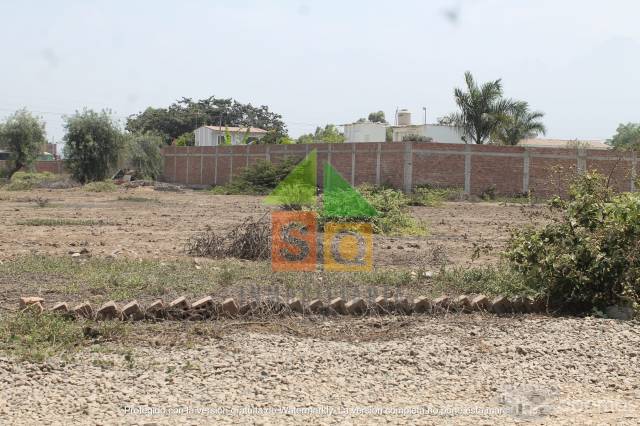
(510, 170)
(53, 166)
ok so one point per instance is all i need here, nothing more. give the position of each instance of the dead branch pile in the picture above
(251, 240)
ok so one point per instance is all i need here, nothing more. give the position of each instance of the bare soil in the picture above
(159, 227)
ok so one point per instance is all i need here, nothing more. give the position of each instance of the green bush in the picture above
(143, 154)
(426, 195)
(25, 181)
(589, 256)
(103, 186)
(257, 179)
(392, 206)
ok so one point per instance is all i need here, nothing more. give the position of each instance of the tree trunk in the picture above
(15, 168)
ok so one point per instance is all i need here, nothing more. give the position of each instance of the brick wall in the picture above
(53, 166)
(512, 170)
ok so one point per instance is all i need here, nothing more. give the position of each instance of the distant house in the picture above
(364, 132)
(564, 143)
(215, 135)
(437, 132)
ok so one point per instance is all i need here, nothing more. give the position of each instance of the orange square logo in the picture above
(293, 241)
(348, 247)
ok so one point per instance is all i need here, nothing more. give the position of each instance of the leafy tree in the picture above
(185, 139)
(185, 115)
(93, 143)
(328, 134)
(627, 136)
(481, 109)
(274, 137)
(22, 135)
(388, 136)
(143, 154)
(519, 123)
(377, 117)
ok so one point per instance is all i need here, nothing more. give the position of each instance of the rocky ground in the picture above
(455, 369)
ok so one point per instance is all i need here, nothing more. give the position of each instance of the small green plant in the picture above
(499, 280)
(36, 338)
(589, 256)
(429, 196)
(393, 217)
(102, 186)
(257, 179)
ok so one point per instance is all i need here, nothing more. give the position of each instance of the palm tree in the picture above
(481, 109)
(518, 124)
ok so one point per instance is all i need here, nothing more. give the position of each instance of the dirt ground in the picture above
(428, 369)
(143, 223)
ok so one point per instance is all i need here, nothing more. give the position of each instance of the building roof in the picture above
(236, 129)
(564, 143)
(356, 123)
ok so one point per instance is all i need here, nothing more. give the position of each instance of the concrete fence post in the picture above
(188, 156)
(378, 150)
(467, 169)
(215, 172)
(408, 167)
(175, 164)
(353, 164)
(267, 154)
(525, 171)
(581, 160)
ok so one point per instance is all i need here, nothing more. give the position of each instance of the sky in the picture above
(318, 62)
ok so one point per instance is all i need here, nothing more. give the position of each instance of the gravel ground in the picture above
(530, 369)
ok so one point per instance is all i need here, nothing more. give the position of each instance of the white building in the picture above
(215, 135)
(364, 132)
(437, 132)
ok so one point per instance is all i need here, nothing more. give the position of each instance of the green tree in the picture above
(274, 137)
(93, 144)
(627, 136)
(185, 139)
(481, 109)
(23, 136)
(388, 135)
(328, 134)
(519, 123)
(143, 154)
(185, 115)
(377, 117)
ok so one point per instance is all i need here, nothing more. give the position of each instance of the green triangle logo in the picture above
(299, 187)
(341, 200)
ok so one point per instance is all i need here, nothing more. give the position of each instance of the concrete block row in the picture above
(208, 308)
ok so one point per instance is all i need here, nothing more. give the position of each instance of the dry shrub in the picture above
(250, 240)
